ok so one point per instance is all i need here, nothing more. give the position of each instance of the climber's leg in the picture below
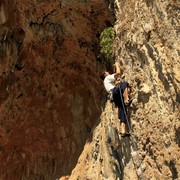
(122, 118)
(126, 96)
(124, 90)
(123, 128)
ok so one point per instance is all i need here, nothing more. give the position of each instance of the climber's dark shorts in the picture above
(118, 99)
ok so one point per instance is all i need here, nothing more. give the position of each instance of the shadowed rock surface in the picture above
(50, 94)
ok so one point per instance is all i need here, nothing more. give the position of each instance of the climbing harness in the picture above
(133, 141)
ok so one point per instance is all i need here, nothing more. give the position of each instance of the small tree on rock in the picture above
(106, 43)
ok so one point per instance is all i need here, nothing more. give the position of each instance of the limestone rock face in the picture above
(50, 94)
(147, 44)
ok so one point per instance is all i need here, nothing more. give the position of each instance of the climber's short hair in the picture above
(102, 75)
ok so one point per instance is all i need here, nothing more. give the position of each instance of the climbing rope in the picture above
(133, 140)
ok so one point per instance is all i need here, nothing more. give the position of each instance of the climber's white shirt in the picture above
(109, 82)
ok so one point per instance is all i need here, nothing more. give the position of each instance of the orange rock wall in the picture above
(50, 94)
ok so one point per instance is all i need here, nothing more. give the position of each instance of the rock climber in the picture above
(120, 98)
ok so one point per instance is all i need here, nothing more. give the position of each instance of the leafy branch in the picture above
(106, 42)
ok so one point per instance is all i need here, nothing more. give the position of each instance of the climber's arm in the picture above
(117, 73)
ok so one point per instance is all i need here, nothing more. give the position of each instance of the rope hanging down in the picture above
(133, 141)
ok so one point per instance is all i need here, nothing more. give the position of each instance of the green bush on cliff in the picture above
(106, 42)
